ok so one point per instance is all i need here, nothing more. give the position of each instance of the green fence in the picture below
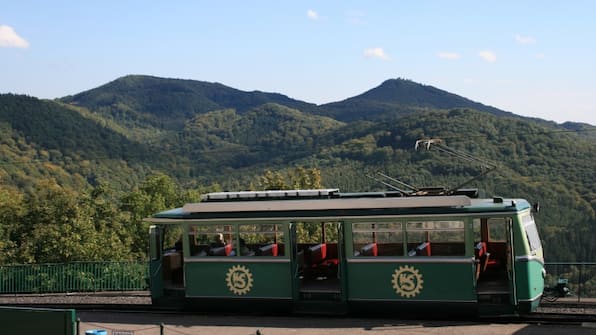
(580, 278)
(73, 277)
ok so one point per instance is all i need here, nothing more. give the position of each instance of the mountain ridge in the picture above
(158, 100)
(167, 102)
(403, 93)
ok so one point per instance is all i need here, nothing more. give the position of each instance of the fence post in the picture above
(579, 286)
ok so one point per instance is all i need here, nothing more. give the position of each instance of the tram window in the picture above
(531, 232)
(477, 230)
(331, 232)
(173, 238)
(497, 229)
(261, 240)
(309, 232)
(204, 240)
(377, 239)
(436, 238)
(317, 232)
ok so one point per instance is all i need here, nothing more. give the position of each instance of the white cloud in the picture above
(312, 14)
(376, 53)
(448, 55)
(10, 39)
(488, 56)
(524, 39)
(540, 56)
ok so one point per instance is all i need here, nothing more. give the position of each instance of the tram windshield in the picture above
(531, 232)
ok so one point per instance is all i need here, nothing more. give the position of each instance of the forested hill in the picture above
(397, 97)
(41, 139)
(167, 103)
(203, 134)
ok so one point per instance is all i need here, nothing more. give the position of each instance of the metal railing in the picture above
(579, 277)
(73, 277)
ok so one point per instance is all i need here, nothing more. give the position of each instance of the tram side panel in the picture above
(415, 265)
(529, 264)
(236, 277)
(247, 268)
(404, 285)
(530, 284)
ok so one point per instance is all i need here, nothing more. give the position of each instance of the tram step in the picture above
(174, 292)
(320, 307)
(494, 298)
(322, 296)
(488, 310)
(494, 303)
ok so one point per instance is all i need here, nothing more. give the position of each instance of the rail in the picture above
(73, 277)
(579, 277)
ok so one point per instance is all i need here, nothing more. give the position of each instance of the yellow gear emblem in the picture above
(239, 279)
(407, 281)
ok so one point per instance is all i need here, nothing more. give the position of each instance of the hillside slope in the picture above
(167, 103)
(265, 136)
(44, 139)
(398, 97)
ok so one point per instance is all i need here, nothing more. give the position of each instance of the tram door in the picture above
(318, 258)
(155, 261)
(495, 283)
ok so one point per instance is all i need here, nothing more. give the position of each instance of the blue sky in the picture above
(534, 58)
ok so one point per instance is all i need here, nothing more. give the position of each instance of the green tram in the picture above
(322, 251)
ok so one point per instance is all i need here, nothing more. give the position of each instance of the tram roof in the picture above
(335, 205)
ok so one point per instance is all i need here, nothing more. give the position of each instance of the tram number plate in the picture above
(122, 332)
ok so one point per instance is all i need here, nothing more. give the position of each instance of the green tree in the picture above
(58, 227)
(273, 181)
(156, 193)
(101, 208)
(11, 213)
(305, 178)
(298, 178)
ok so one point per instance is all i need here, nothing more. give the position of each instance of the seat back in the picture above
(220, 251)
(267, 250)
(317, 253)
(479, 249)
(423, 249)
(369, 250)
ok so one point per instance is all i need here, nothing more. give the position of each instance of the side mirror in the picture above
(536, 207)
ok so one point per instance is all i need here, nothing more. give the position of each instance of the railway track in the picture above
(551, 318)
(564, 313)
(558, 318)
